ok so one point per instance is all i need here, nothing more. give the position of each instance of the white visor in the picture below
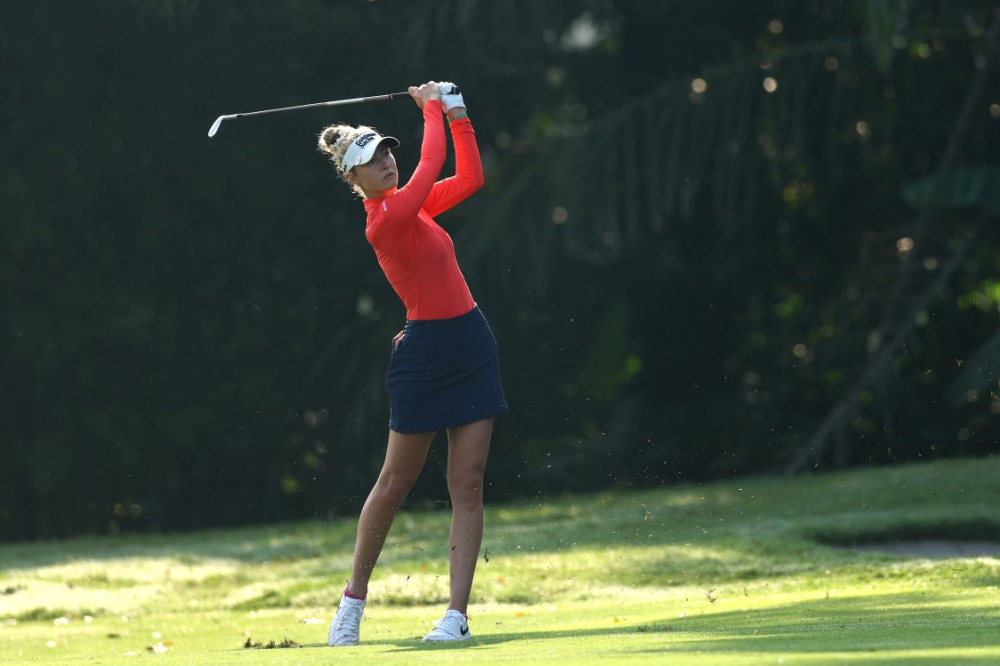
(363, 149)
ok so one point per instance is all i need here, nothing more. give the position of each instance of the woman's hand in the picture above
(428, 91)
(451, 100)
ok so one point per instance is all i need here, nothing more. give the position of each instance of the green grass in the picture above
(735, 573)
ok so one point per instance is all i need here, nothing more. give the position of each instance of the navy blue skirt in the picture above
(444, 373)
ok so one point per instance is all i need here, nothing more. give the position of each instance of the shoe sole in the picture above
(446, 640)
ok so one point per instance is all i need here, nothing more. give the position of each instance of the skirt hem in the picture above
(435, 428)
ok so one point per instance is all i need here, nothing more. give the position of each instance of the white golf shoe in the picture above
(452, 627)
(345, 629)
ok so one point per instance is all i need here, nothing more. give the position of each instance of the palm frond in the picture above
(636, 171)
(970, 187)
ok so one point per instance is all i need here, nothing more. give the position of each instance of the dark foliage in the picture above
(694, 246)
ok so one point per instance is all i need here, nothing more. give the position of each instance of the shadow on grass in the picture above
(849, 625)
(845, 653)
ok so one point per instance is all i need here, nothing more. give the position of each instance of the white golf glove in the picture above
(450, 96)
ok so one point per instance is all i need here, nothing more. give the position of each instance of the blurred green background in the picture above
(717, 238)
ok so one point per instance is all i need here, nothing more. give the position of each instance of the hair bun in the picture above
(331, 135)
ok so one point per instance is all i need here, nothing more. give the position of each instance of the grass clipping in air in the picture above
(744, 572)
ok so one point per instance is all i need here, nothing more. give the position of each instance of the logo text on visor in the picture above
(365, 139)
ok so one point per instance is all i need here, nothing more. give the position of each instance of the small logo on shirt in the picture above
(384, 207)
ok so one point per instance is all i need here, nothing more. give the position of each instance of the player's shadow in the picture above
(862, 624)
(414, 644)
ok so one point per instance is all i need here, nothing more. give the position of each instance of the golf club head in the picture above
(215, 126)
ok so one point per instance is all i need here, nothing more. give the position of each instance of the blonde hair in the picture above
(334, 140)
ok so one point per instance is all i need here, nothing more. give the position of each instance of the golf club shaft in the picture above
(338, 102)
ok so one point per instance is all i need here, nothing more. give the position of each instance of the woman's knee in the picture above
(466, 485)
(393, 488)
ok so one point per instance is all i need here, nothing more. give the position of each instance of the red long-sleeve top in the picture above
(418, 256)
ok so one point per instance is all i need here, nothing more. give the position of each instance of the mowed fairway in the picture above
(728, 573)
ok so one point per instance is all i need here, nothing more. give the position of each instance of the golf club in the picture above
(338, 102)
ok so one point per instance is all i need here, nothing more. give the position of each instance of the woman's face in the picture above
(378, 176)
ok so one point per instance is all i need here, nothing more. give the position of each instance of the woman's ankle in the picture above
(350, 593)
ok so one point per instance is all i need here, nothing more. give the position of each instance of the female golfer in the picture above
(444, 370)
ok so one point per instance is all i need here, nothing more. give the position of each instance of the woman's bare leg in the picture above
(404, 458)
(468, 448)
